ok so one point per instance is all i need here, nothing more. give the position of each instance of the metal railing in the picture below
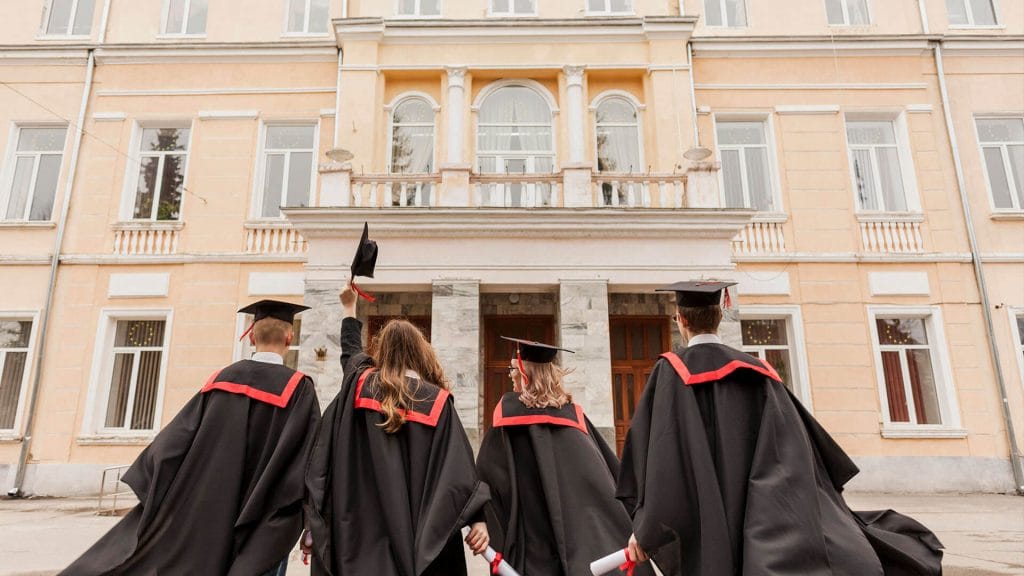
(116, 491)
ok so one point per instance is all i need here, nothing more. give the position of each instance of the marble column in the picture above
(574, 89)
(729, 330)
(455, 334)
(456, 115)
(584, 328)
(320, 340)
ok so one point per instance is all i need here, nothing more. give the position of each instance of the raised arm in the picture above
(351, 328)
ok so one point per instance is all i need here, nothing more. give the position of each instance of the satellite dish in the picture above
(340, 155)
(696, 154)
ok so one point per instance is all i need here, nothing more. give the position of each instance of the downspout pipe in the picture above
(693, 89)
(979, 273)
(26, 442)
(337, 102)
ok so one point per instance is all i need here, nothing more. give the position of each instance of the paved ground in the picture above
(984, 534)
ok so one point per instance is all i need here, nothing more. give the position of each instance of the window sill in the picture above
(10, 438)
(415, 17)
(977, 27)
(1007, 215)
(609, 14)
(264, 223)
(890, 216)
(148, 225)
(181, 36)
(27, 224)
(64, 37)
(115, 439)
(911, 432)
(305, 35)
(778, 217)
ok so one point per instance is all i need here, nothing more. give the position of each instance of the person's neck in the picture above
(280, 351)
(706, 335)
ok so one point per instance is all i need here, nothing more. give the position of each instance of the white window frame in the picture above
(1018, 348)
(725, 23)
(261, 151)
(774, 177)
(903, 150)
(511, 13)
(418, 12)
(846, 14)
(970, 17)
(44, 31)
(1017, 206)
(165, 12)
(793, 317)
(390, 109)
(640, 110)
(945, 390)
(530, 154)
(134, 165)
(607, 11)
(243, 350)
(21, 316)
(305, 24)
(7, 175)
(93, 424)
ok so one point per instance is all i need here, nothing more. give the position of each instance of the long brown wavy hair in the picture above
(543, 387)
(398, 347)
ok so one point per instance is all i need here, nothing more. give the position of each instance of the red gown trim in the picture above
(410, 415)
(499, 420)
(701, 377)
(279, 400)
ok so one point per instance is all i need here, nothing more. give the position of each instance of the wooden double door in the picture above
(636, 342)
(498, 353)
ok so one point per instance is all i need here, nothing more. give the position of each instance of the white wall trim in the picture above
(228, 114)
(146, 285)
(814, 86)
(919, 108)
(30, 365)
(215, 91)
(807, 109)
(899, 283)
(109, 116)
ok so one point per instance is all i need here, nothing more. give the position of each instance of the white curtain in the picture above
(515, 118)
(618, 137)
(412, 138)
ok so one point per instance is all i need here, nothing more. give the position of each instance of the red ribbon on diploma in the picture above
(362, 294)
(629, 565)
(305, 559)
(496, 563)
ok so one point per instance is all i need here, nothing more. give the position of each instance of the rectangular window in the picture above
(907, 356)
(419, 7)
(775, 334)
(876, 161)
(185, 17)
(287, 176)
(609, 6)
(69, 17)
(513, 8)
(732, 13)
(847, 12)
(746, 169)
(160, 181)
(1002, 147)
(291, 360)
(35, 169)
(15, 342)
(307, 16)
(135, 364)
(971, 12)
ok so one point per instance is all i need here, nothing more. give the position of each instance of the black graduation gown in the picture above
(552, 479)
(220, 488)
(382, 504)
(726, 473)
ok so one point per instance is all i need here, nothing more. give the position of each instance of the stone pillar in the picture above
(321, 333)
(455, 189)
(584, 328)
(729, 330)
(335, 184)
(455, 334)
(577, 186)
(456, 115)
(702, 185)
(574, 87)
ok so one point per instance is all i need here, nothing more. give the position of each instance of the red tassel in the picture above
(727, 304)
(629, 566)
(522, 371)
(362, 294)
(496, 563)
(247, 331)
(305, 559)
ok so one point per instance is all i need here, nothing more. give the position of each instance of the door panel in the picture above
(636, 342)
(498, 353)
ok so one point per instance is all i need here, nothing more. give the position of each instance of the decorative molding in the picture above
(45, 55)
(919, 108)
(109, 116)
(24, 260)
(327, 113)
(827, 109)
(115, 439)
(1003, 258)
(322, 51)
(988, 45)
(154, 285)
(856, 257)
(899, 283)
(229, 114)
(803, 46)
(215, 91)
(141, 260)
(503, 67)
(894, 432)
(877, 86)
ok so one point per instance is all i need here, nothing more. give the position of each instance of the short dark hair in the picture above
(702, 319)
(271, 331)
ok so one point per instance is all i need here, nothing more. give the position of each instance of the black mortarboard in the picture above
(697, 293)
(365, 261)
(535, 351)
(285, 311)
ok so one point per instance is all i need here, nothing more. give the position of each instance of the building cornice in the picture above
(803, 46)
(63, 55)
(984, 46)
(513, 30)
(519, 223)
(318, 51)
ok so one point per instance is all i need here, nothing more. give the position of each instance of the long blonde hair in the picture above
(543, 386)
(399, 347)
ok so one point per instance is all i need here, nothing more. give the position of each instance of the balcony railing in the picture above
(891, 233)
(273, 238)
(381, 190)
(517, 190)
(146, 238)
(639, 190)
(762, 236)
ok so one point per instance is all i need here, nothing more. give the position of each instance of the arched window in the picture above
(412, 137)
(618, 136)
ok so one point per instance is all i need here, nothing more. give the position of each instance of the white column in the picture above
(456, 114)
(574, 87)
(455, 334)
(584, 327)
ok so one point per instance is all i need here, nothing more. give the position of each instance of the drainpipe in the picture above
(26, 442)
(337, 103)
(693, 89)
(979, 273)
(103, 22)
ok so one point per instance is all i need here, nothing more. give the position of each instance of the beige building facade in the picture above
(530, 168)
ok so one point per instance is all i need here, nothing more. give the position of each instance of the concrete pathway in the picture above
(984, 534)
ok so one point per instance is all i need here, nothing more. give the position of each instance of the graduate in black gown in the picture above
(220, 488)
(726, 473)
(391, 480)
(551, 474)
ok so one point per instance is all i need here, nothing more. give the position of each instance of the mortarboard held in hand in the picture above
(365, 262)
(534, 352)
(284, 311)
(697, 293)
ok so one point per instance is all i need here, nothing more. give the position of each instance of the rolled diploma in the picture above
(608, 564)
(504, 569)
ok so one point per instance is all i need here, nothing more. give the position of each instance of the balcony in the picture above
(146, 238)
(891, 233)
